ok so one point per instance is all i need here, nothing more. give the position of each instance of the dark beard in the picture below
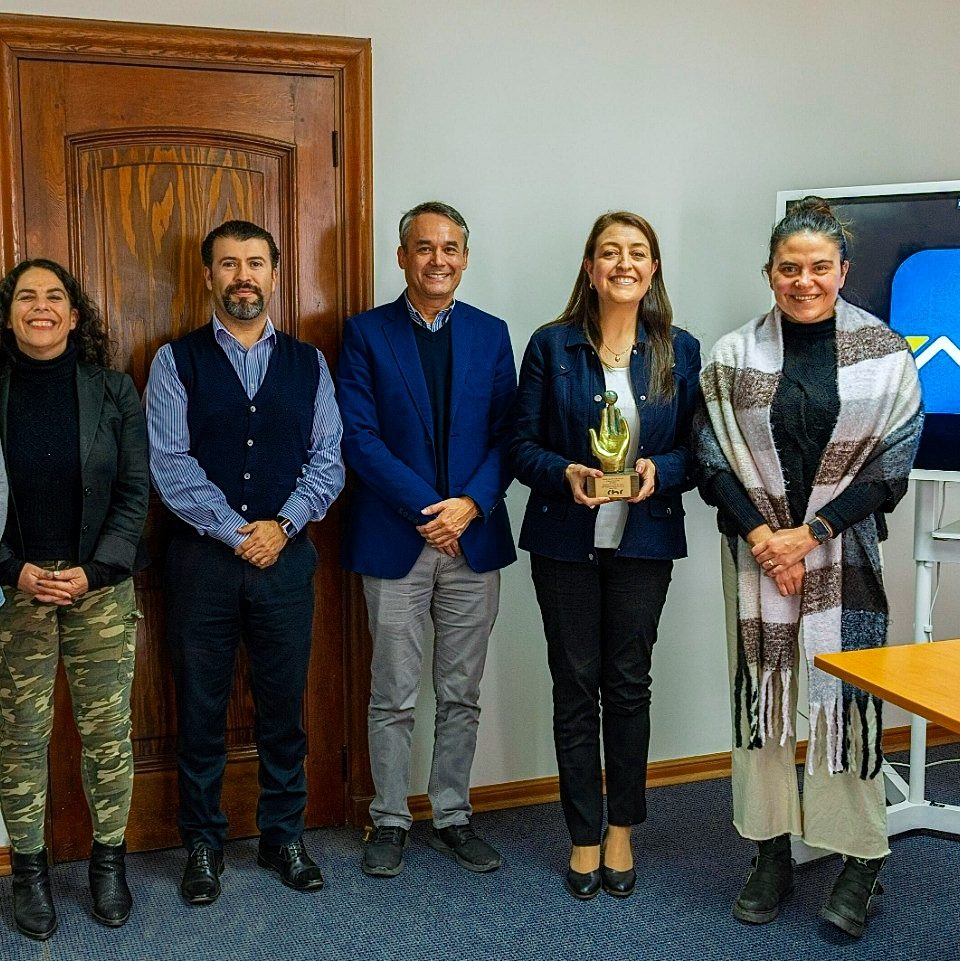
(244, 309)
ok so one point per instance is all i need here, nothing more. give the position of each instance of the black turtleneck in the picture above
(805, 406)
(803, 414)
(43, 458)
(43, 465)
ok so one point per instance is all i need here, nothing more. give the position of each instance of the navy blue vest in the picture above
(254, 450)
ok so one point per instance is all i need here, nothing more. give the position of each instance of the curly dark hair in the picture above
(90, 335)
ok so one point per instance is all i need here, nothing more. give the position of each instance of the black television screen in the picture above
(905, 268)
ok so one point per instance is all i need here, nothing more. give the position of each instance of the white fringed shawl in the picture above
(843, 605)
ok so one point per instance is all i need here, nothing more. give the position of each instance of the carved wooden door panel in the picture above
(125, 166)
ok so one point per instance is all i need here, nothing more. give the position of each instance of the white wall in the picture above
(533, 118)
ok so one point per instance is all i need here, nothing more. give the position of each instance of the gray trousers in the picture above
(463, 606)
(840, 812)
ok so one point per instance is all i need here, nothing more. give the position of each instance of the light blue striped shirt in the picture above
(432, 325)
(180, 480)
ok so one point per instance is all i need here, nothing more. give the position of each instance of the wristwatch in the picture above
(820, 529)
(286, 525)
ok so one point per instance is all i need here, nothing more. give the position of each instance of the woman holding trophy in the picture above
(610, 383)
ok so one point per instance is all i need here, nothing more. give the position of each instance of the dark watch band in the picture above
(286, 525)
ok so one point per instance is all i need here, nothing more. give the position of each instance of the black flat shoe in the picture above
(583, 887)
(618, 883)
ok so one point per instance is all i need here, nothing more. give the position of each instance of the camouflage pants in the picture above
(96, 637)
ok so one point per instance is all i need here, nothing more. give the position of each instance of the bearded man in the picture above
(245, 452)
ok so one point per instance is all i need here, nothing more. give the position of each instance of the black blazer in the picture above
(113, 467)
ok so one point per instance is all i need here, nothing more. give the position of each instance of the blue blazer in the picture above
(559, 399)
(388, 437)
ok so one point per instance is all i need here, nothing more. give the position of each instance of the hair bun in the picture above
(812, 215)
(815, 205)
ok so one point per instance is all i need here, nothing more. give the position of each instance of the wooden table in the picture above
(922, 678)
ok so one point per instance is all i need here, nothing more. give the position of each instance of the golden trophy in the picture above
(610, 449)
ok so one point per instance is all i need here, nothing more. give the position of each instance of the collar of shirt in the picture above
(220, 333)
(442, 316)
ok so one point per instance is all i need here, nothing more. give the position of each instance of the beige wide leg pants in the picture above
(839, 812)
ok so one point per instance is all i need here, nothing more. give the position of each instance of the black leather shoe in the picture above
(466, 847)
(618, 883)
(201, 876)
(383, 853)
(33, 910)
(112, 901)
(296, 868)
(768, 884)
(583, 887)
(852, 894)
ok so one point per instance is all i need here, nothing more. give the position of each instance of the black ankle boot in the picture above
(849, 901)
(112, 900)
(33, 909)
(768, 884)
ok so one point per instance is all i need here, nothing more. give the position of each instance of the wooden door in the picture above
(128, 155)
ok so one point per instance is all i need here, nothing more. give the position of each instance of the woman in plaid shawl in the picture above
(810, 421)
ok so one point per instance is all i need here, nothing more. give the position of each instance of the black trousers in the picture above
(600, 623)
(214, 601)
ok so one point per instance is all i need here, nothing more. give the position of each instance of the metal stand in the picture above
(930, 545)
(908, 808)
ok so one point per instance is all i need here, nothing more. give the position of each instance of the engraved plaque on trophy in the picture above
(610, 449)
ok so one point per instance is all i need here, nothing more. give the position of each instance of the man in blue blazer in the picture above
(426, 387)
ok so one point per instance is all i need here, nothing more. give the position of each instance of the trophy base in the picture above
(617, 487)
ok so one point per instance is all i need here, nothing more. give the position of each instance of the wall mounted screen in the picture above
(905, 268)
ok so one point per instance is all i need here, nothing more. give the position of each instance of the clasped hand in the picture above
(450, 519)
(53, 587)
(780, 554)
(263, 543)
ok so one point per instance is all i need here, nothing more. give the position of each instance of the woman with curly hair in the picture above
(75, 444)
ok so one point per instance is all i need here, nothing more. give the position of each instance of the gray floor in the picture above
(690, 864)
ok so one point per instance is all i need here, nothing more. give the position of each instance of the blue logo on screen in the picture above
(925, 309)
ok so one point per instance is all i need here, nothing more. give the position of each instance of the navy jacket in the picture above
(388, 437)
(559, 399)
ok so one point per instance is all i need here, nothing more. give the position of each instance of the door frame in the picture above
(345, 59)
